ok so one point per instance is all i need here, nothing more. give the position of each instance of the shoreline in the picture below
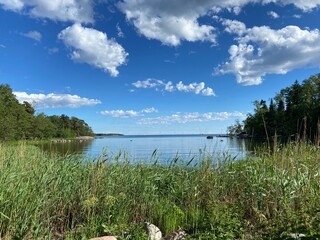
(76, 139)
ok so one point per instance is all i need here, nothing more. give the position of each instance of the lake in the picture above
(164, 148)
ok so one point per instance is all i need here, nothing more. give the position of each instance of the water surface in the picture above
(164, 148)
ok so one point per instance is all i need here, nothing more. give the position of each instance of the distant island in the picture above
(108, 134)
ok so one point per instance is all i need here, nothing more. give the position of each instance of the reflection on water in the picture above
(73, 147)
(140, 148)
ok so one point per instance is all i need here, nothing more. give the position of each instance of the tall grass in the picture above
(52, 197)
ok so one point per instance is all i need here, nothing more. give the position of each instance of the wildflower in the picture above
(122, 196)
(110, 200)
(91, 202)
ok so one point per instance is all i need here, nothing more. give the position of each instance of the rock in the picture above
(104, 238)
(84, 138)
(154, 232)
(179, 235)
(295, 236)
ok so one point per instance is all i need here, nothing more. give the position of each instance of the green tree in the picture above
(294, 111)
(43, 127)
(18, 121)
(9, 109)
(235, 129)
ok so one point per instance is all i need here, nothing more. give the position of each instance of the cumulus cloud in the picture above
(149, 110)
(128, 113)
(196, 88)
(169, 21)
(273, 14)
(305, 5)
(208, 92)
(149, 83)
(262, 50)
(35, 35)
(14, 5)
(71, 10)
(192, 117)
(169, 87)
(93, 47)
(174, 21)
(234, 26)
(121, 113)
(53, 100)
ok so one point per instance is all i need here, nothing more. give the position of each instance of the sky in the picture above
(156, 66)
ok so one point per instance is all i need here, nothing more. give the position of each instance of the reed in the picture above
(72, 197)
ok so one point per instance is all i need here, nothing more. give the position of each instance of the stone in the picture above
(179, 235)
(153, 231)
(296, 236)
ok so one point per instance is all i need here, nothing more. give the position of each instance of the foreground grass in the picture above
(52, 197)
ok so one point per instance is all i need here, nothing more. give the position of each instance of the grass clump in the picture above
(52, 197)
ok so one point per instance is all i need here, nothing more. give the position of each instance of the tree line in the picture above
(293, 112)
(20, 121)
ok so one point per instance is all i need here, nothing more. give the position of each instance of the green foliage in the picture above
(295, 111)
(12, 114)
(18, 121)
(235, 129)
(53, 197)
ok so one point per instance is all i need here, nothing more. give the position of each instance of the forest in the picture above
(20, 121)
(293, 112)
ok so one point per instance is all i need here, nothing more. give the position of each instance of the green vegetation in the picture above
(269, 196)
(295, 111)
(235, 129)
(18, 121)
(50, 197)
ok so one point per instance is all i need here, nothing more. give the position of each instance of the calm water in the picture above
(141, 148)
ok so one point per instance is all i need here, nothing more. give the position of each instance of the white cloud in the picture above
(2, 46)
(174, 21)
(168, 21)
(262, 50)
(121, 113)
(208, 92)
(119, 30)
(93, 47)
(234, 26)
(149, 83)
(61, 10)
(297, 16)
(169, 87)
(273, 14)
(192, 117)
(149, 110)
(53, 50)
(14, 5)
(128, 113)
(169, 61)
(196, 88)
(53, 100)
(305, 5)
(35, 35)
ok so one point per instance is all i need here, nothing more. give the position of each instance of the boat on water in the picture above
(209, 137)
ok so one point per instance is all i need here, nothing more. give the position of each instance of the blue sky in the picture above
(156, 67)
